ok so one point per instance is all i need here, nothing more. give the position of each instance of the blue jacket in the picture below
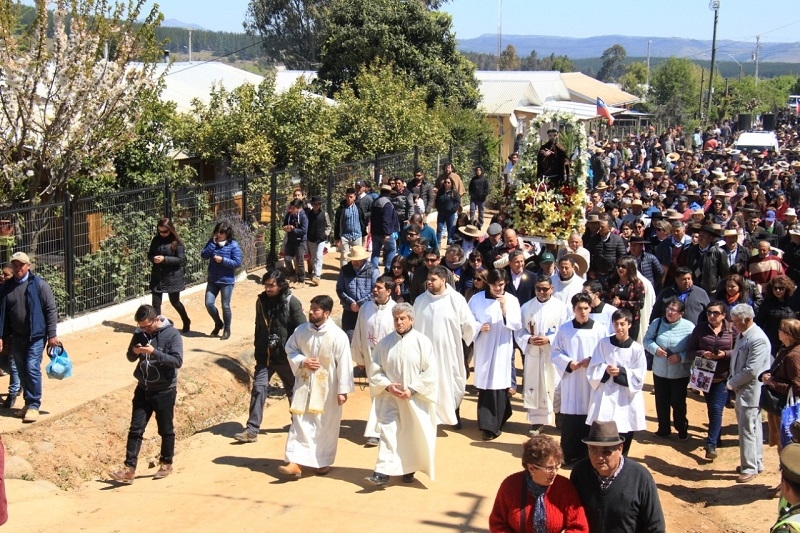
(355, 286)
(674, 339)
(42, 311)
(223, 273)
(384, 218)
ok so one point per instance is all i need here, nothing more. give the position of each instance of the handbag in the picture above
(60, 366)
(789, 415)
(770, 401)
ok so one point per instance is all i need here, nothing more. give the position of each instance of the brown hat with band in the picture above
(606, 434)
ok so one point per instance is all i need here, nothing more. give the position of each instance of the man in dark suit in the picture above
(521, 282)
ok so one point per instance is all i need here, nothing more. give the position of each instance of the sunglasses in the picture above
(713, 313)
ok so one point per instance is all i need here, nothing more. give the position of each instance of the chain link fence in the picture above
(93, 251)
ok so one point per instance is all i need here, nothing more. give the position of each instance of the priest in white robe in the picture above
(374, 322)
(616, 375)
(541, 318)
(571, 353)
(443, 316)
(403, 385)
(499, 314)
(319, 354)
(566, 281)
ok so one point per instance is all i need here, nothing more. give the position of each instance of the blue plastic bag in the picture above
(789, 415)
(60, 366)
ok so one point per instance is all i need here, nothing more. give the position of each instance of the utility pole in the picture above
(499, 31)
(190, 45)
(647, 78)
(714, 5)
(702, 82)
(755, 54)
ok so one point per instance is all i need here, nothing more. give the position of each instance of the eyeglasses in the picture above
(549, 469)
(431, 259)
(543, 289)
(778, 288)
(673, 310)
(605, 451)
(476, 260)
(713, 313)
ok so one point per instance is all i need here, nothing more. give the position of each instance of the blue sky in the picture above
(741, 20)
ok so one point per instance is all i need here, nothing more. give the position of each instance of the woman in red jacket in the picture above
(551, 503)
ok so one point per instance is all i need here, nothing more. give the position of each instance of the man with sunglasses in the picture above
(157, 349)
(618, 494)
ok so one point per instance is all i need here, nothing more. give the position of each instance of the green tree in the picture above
(613, 63)
(65, 109)
(508, 59)
(388, 114)
(675, 88)
(634, 79)
(561, 64)
(418, 42)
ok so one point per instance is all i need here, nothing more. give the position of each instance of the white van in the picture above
(791, 104)
(756, 140)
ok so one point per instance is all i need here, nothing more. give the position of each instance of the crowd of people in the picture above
(687, 268)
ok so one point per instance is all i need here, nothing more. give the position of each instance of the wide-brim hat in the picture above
(470, 231)
(603, 434)
(636, 239)
(730, 233)
(711, 231)
(593, 218)
(672, 214)
(657, 170)
(357, 253)
(601, 186)
(581, 265)
(790, 212)
(674, 156)
(316, 200)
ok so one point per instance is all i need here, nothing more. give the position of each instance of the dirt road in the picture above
(220, 485)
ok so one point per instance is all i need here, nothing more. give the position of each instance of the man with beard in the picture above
(319, 353)
(443, 316)
(541, 318)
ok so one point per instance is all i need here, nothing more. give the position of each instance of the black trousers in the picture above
(494, 410)
(573, 430)
(175, 300)
(162, 403)
(671, 400)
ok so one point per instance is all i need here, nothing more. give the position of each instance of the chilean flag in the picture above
(798, 106)
(603, 111)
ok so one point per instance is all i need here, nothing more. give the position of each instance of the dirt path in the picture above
(221, 485)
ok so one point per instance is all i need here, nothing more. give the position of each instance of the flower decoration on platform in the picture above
(536, 207)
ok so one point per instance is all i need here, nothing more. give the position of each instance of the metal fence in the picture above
(93, 251)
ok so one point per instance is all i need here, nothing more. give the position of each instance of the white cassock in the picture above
(314, 436)
(493, 355)
(574, 345)
(565, 290)
(407, 428)
(541, 377)
(603, 316)
(446, 320)
(619, 399)
(374, 323)
(647, 308)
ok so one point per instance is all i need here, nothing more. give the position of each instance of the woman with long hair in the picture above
(775, 307)
(167, 253)
(225, 256)
(402, 279)
(624, 290)
(447, 203)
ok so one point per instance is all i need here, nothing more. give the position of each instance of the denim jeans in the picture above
(716, 398)
(295, 260)
(212, 290)
(28, 358)
(13, 374)
(479, 207)
(260, 391)
(315, 251)
(389, 251)
(446, 224)
(162, 403)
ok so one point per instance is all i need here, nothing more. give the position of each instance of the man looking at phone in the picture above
(157, 349)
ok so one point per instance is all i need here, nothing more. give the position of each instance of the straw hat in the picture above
(357, 253)
(470, 231)
(581, 265)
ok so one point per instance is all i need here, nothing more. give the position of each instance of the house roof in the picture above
(586, 89)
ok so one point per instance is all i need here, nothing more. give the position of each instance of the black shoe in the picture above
(488, 435)
(408, 478)
(683, 435)
(536, 429)
(186, 324)
(216, 330)
(10, 400)
(711, 453)
(226, 335)
(662, 434)
(379, 480)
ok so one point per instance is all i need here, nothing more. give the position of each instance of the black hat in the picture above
(317, 200)
(711, 231)
(603, 434)
(638, 240)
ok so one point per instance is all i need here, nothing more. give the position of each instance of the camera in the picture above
(273, 341)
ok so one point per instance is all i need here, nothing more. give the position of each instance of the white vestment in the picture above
(374, 323)
(565, 290)
(494, 350)
(407, 428)
(622, 403)
(604, 317)
(647, 308)
(313, 437)
(574, 345)
(446, 320)
(541, 377)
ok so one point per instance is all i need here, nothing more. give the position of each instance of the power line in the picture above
(212, 60)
